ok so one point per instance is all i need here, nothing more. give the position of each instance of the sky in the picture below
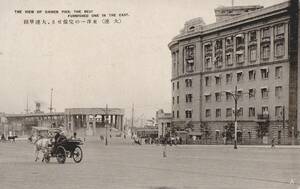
(94, 65)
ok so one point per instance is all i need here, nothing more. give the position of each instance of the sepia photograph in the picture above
(152, 94)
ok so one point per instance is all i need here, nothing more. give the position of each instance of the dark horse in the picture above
(12, 138)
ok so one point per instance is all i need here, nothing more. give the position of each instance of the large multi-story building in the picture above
(250, 52)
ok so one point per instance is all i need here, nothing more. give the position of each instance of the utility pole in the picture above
(27, 109)
(51, 108)
(235, 97)
(232, 3)
(132, 115)
(106, 117)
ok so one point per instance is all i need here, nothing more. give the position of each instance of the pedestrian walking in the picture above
(164, 143)
(273, 143)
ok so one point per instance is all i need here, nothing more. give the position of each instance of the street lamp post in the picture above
(106, 116)
(235, 119)
(235, 98)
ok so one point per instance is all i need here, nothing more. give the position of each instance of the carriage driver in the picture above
(58, 138)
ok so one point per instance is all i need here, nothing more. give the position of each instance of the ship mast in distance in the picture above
(51, 107)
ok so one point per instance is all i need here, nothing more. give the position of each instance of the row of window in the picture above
(265, 54)
(251, 93)
(217, 58)
(188, 114)
(264, 74)
(229, 112)
(229, 95)
(188, 83)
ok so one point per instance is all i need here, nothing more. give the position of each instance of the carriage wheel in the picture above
(77, 154)
(61, 155)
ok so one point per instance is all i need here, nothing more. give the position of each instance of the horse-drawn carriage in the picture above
(60, 148)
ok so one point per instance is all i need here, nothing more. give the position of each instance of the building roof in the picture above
(233, 21)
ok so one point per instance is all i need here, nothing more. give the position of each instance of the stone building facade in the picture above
(250, 52)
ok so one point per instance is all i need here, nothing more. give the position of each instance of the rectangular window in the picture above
(177, 84)
(264, 73)
(207, 81)
(240, 56)
(177, 114)
(188, 98)
(207, 113)
(240, 40)
(264, 93)
(207, 98)
(218, 97)
(173, 100)
(278, 72)
(251, 93)
(265, 52)
(173, 114)
(239, 76)
(188, 113)
(240, 94)
(190, 65)
(279, 49)
(251, 112)
(279, 29)
(253, 54)
(219, 44)
(252, 36)
(188, 82)
(177, 99)
(278, 111)
(229, 41)
(218, 61)
(173, 86)
(228, 78)
(266, 32)
(265, 110)
(174, 57)
(228, 96)
(189, 51)
(228, 112)
(278, 91)
(252, 75)
(207, 63)
(229, 59)
(240, 112)
(218, 112)
(218, 80)
(207, 48)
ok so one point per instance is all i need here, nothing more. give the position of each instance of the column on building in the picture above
(121, 123)
(213, 57)
(223, 52)
(94, 124)
(271, 43)
(246, 48)
(116, 121)
(72, 123)
(286, 40)
(258, 38)
(111, 120)
(87, 118)
(234, 51)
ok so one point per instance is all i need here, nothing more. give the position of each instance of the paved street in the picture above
(132, 166)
